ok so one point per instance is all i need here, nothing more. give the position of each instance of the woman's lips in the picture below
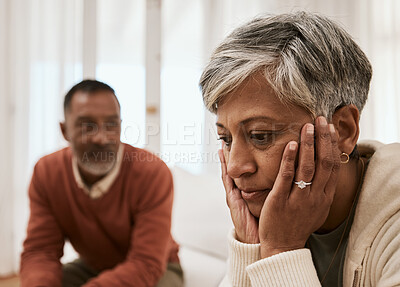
(256, 195)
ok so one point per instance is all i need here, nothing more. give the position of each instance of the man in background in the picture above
(112, 201)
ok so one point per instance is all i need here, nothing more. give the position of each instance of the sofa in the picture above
(200, 224)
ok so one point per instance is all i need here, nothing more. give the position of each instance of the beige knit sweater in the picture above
(373, 251)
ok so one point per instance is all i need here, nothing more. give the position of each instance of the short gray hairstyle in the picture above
(308, 60)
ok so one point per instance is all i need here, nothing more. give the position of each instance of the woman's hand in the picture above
(246, 225)
(291, 214)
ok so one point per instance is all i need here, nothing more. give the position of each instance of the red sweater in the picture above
(125, 233)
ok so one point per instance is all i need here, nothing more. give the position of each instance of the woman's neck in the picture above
(349, 180)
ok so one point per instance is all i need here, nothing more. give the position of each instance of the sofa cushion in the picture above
(201, 218)
(201, 269)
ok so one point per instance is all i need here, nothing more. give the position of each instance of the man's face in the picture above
(256, 126)
(92, 127)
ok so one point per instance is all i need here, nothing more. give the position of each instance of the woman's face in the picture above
(256, 127)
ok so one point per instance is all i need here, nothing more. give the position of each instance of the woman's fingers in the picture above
(227, 183)
(284, 179)
(292, 213)
(232, 193)
(226, 180)
(330, 187)
(306, 166)
(324, 160)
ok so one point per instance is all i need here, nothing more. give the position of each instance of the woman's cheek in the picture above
(271, 161)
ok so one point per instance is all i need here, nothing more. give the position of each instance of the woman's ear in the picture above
(346, 122)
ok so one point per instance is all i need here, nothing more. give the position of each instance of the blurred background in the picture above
(152, 53)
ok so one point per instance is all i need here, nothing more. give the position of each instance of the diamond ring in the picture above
(302, 184)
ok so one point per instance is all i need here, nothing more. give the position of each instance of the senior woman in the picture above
(310, 207)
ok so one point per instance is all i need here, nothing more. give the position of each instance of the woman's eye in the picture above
(261, 138)
(226, 140)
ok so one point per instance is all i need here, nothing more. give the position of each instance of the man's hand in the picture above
(291, 214)
(246, 225)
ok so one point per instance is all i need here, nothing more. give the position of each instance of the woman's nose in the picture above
(240, 161)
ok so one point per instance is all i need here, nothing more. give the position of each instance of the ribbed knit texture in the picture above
(241, 255)
(292, 268)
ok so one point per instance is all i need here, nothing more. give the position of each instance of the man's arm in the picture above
(43, 246)
(149, 250)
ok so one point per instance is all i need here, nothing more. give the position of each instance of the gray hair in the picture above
(306, 58)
